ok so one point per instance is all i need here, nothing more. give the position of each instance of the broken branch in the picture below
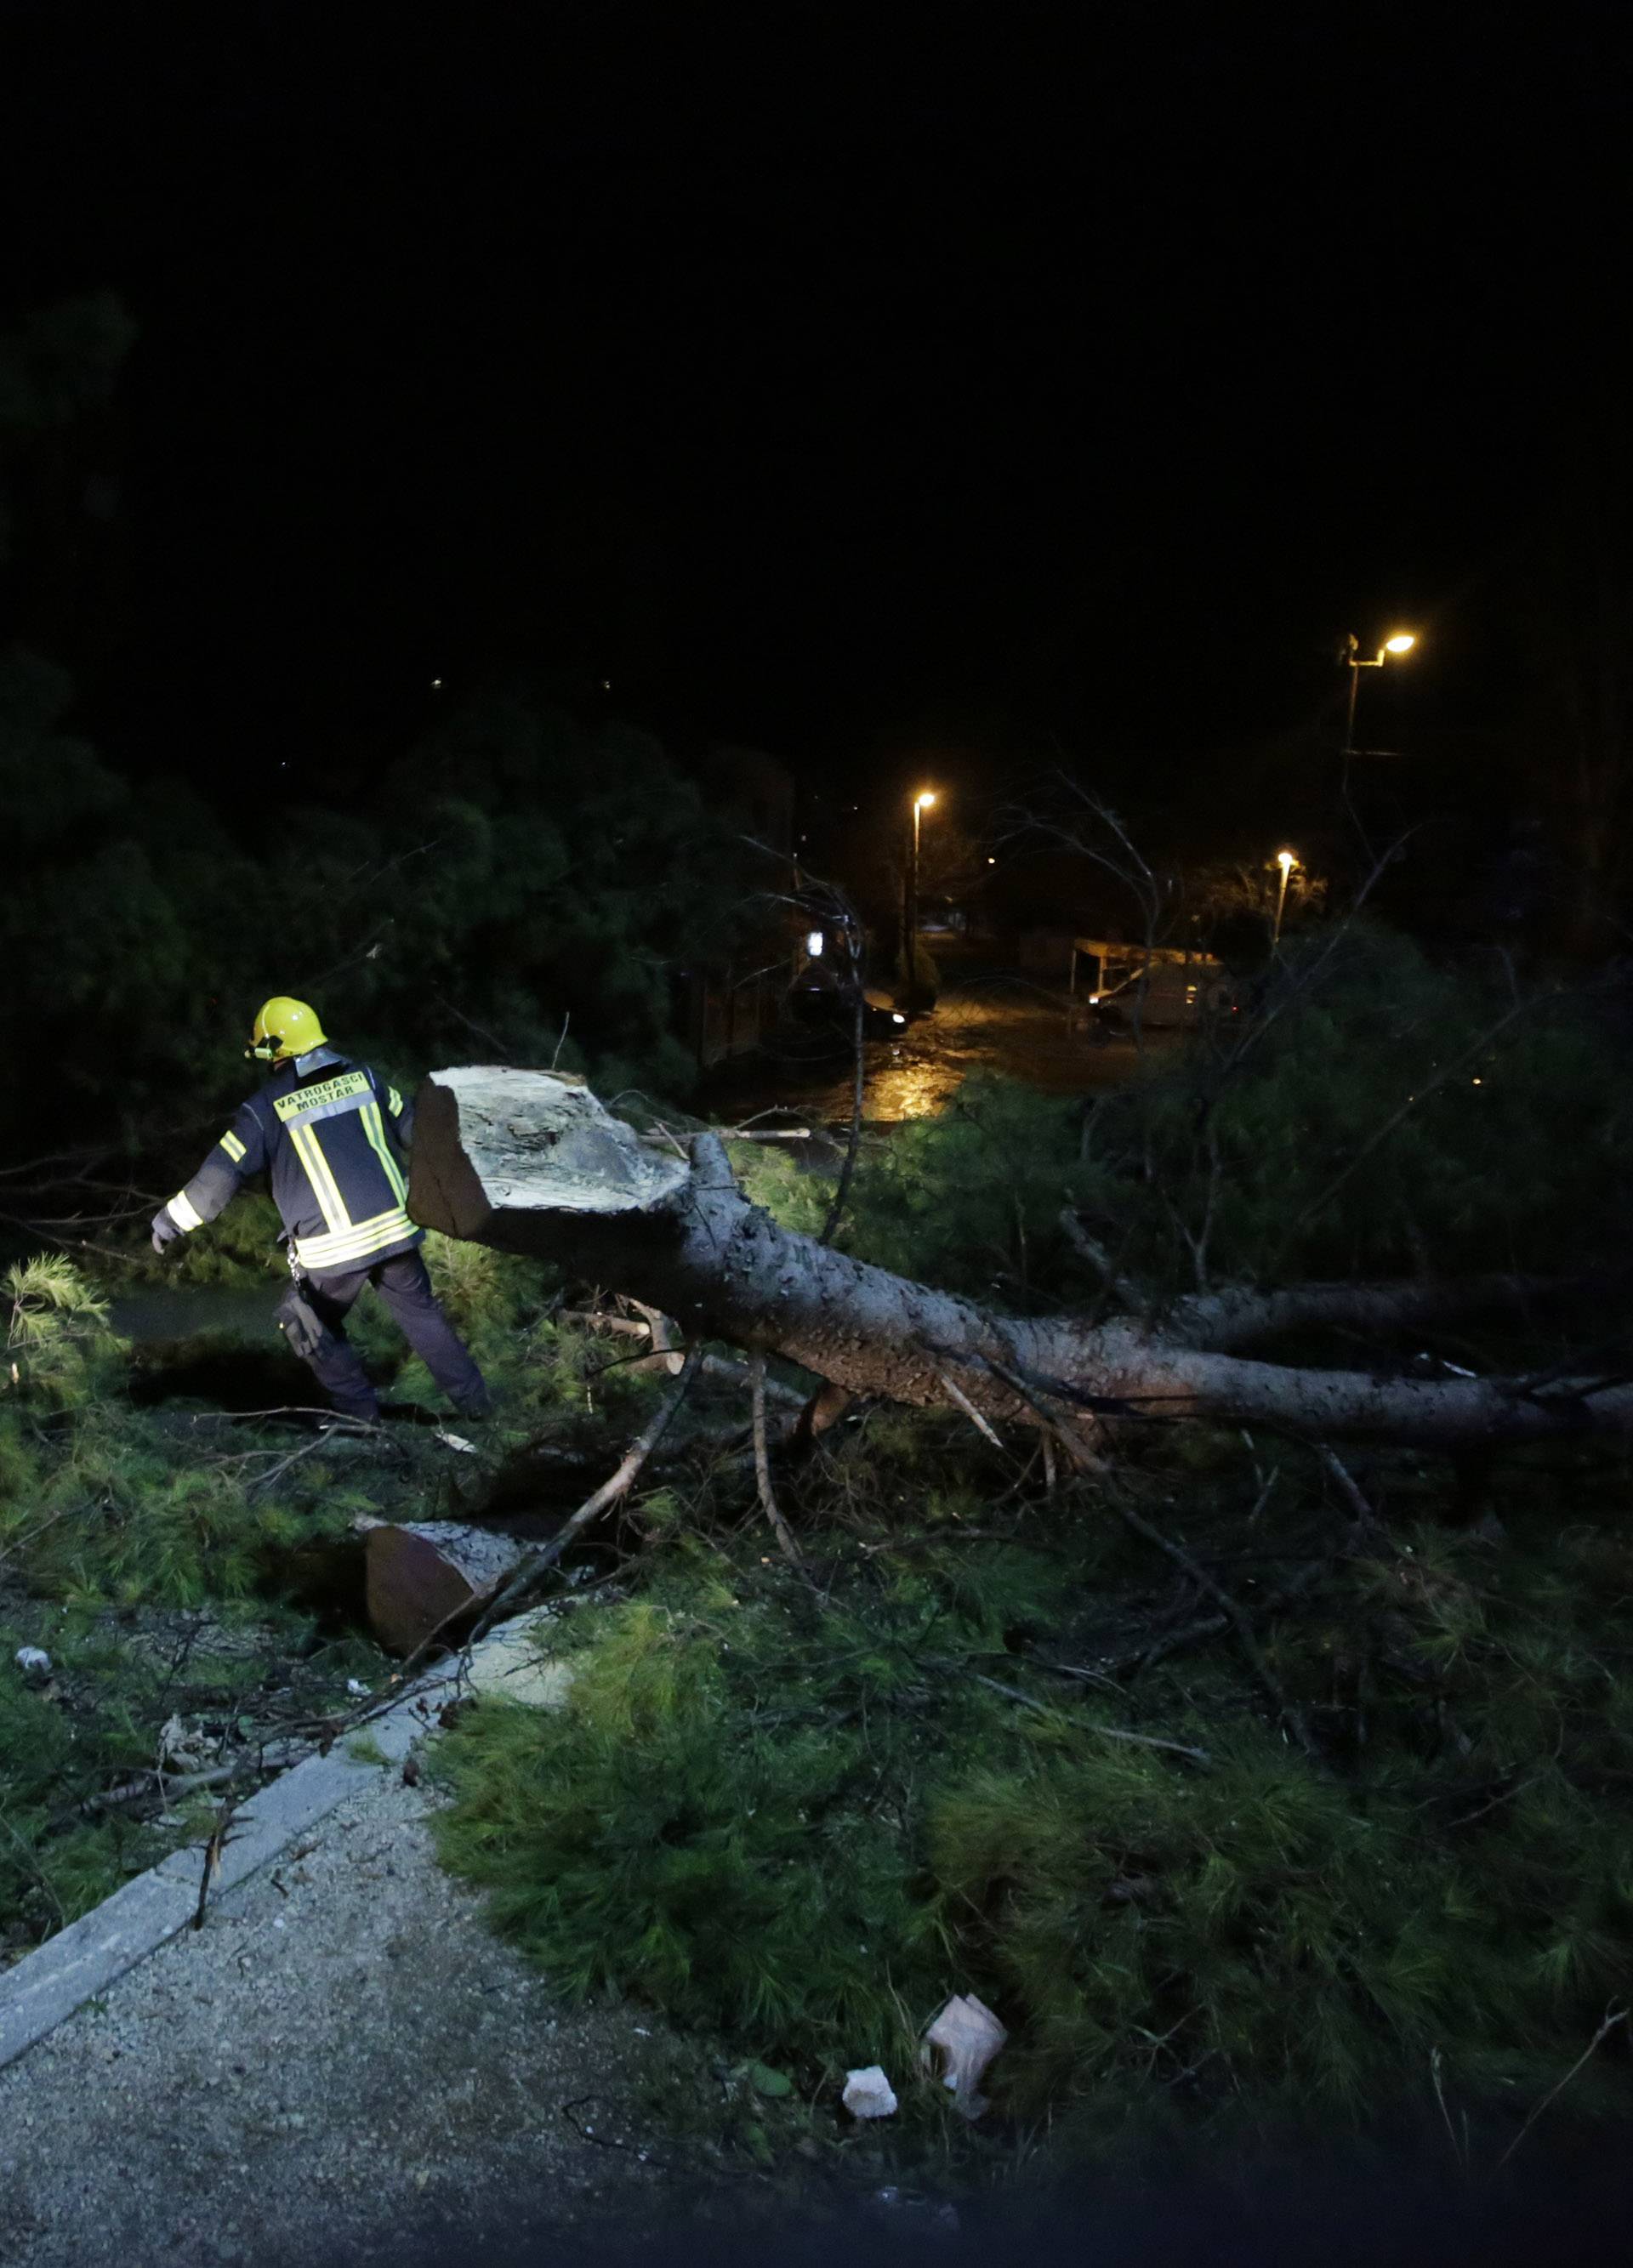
(762, 1468)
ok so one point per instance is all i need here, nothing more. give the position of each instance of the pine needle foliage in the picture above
(239, 1247)
(1365, 1113)
(55, 1327)
(127, 1502)
(1372, 1114)
(684, 1832)
(117, 1521)
(804, 1825)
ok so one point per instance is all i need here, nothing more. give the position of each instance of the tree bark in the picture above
(420, 1573)
(530, 1162)
(1226, 1320)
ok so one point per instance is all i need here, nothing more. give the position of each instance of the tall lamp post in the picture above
(1286, 861)
(921, 803)
(1402, 642)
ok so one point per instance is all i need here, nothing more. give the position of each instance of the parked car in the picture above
(819, 1005)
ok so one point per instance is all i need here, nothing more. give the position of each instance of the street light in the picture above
(921, 803)
(1286, 861)
(1402, 642)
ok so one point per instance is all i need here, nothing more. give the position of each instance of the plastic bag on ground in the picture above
(969, 2036)
(868, 2094)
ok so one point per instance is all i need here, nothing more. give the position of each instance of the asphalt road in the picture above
(988, 1018)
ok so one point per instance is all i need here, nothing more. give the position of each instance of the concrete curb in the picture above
(46, 1987)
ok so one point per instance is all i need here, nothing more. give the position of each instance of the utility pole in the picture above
(1286, 861)
(1402, 642)
(921, 802)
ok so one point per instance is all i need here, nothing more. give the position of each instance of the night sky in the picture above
(875, 391)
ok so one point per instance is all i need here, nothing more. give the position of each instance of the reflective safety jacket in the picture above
(332, 1138)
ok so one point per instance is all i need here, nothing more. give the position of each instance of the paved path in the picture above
(342, 2054)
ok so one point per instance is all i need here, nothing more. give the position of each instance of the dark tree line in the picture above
(520, 885)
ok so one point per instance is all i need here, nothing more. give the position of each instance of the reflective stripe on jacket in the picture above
(332, 1138)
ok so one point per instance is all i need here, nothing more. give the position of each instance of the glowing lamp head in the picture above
(1286, 861)
(1402, 642)
(923, 801)
(814, 943)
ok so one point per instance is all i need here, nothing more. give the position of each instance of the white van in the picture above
(1163, 985)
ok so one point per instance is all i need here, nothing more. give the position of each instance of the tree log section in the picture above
(421, 1573)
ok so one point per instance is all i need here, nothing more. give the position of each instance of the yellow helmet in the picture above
(286, 1028)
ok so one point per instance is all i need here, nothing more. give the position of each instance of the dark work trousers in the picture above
(403, 1285)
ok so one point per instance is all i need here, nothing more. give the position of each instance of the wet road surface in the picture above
(987, 1019)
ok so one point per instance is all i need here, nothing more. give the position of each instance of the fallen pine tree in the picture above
(531, 1163)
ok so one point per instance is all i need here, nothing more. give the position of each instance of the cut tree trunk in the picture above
(530, 1162)
(420, 1573)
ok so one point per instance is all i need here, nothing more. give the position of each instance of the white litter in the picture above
(456, 1442)
(356, 1685)
(969, 2036)
(186, 1747)
(33, 1659)
(868, 2094)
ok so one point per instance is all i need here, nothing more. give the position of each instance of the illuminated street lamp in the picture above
(1402, 642)
(1286, 861)
(921, 803)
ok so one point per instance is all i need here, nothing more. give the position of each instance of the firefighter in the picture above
(333, 1139)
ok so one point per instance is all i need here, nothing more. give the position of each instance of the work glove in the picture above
(165, 1230)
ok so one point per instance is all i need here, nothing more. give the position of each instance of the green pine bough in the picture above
(799, 1826)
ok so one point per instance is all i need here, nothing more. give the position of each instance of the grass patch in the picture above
(798, 1825)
